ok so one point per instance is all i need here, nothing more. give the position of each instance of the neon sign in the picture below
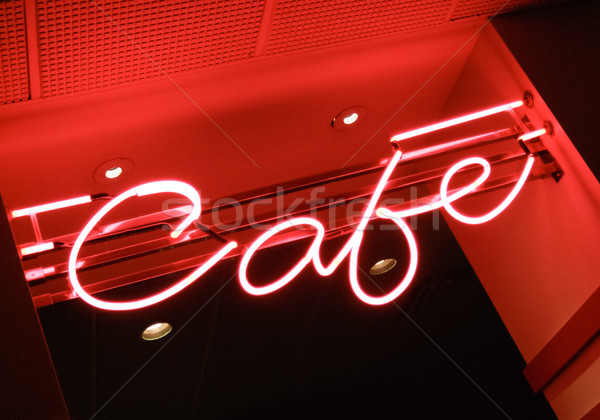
(351, 248)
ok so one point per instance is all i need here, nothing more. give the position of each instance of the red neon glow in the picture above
(34, 249)
(351, 248)
(410, 273)
(139, 191)
(356, 237)
(455, 121)
(532, 135)
(289, 276)
(446, 200)
(447, 146)
(499, 209)
(51, 206)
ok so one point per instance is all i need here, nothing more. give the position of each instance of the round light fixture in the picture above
(113, 172)
(349, 118)
(382, 266)
(156, 331)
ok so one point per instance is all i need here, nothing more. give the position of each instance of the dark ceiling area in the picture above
(312, 350)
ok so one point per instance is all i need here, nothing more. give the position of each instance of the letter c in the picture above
(142, 190)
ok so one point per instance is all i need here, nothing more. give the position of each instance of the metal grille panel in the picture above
(14, 83)
(470, 8)
(86, 45)
(301, 24)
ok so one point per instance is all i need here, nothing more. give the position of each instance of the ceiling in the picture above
(84, 46)
(237, 99)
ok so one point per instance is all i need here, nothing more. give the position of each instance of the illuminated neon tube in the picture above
(142, 190)
(493, 213)
(37, 248)
(352, 246)
(532, 135)
(51, 206)
(350, 249)
(455, 121)
(355, 239)
(446, 200)
(291, 274)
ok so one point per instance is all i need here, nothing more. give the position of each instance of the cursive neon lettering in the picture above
(351, 248)
(139, 191)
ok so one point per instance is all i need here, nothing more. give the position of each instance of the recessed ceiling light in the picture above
(349, 118)
(382, 266)
(113, 172)
(156, 331)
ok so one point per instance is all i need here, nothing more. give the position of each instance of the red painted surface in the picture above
(593, 414)
(569, 341)
(538, 269)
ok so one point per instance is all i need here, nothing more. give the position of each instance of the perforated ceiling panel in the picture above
(300, 24)
(85, 45)
(469, 8)
(14, 84)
